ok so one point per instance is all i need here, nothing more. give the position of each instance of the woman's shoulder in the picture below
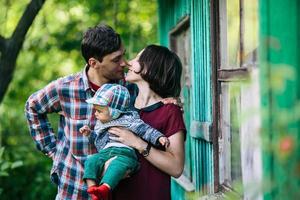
(170, 107)
(174, 119)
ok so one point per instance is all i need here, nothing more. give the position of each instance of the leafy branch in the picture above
(6, 166)
(10, 48)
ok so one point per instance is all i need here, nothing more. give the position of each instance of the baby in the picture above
(111, 103)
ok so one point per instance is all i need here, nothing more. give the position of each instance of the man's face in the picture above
(112, 65)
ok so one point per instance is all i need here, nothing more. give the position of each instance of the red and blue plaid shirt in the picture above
(69, 148)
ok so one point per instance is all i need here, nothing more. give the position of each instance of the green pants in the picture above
(126, 160)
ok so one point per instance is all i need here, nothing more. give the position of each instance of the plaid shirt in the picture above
(69, 148)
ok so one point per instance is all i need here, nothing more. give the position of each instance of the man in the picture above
(103, 51)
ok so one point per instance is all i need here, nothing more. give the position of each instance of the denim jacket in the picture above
(130, 120)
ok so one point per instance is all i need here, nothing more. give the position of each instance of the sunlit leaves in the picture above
(52, 50)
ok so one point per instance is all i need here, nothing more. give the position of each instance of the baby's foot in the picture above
(102, 191)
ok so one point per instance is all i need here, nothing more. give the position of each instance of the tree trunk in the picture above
(10, 48)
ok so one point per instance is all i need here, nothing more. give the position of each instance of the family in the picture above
(119, 135)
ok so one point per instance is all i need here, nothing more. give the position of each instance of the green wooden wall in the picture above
(200, 158)
(279, 63)
(280, 92)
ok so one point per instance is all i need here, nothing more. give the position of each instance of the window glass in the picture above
(251, 32)
(233, 41)
(230, 132)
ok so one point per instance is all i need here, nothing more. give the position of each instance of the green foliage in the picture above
(6, 166)
(52, 50)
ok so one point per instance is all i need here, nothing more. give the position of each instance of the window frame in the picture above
(223, 74)
(184, 180)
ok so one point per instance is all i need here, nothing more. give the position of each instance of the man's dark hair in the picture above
(162, 69)
(99, 41)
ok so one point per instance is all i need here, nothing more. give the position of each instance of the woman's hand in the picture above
(170, 161)
(127, 137)
(172, 100)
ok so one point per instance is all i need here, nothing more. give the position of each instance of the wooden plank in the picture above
(237, 74)
(185, 183)
(279, 53)
(201, 130)
(181, 26)
(215, 62)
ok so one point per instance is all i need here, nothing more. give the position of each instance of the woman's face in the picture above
(134, 67)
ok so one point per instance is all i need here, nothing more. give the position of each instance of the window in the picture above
(180, 42)
(236, 94)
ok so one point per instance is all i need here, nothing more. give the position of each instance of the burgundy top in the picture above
(94, 86)
(149, 183)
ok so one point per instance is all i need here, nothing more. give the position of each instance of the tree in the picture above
(51, 50)
(10, 47)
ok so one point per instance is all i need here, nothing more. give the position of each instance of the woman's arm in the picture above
(170, 161)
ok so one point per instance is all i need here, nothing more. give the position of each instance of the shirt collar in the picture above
(150, 108)
(85, 78)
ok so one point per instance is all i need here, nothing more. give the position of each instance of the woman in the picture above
(156, 71)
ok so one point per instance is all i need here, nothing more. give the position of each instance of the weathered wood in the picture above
(185, 182)
(279, 25)
(201, 130)
(173, 19)
(236, 74)
(215, 60)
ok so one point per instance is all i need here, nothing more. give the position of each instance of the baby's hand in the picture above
(164, 141)
(85, 130)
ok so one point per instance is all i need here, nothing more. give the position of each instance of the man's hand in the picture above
(164, 141)
(172, 100)
(85, 130)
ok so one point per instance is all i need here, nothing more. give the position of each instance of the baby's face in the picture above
(102, 113)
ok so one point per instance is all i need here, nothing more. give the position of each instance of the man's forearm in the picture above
(40, 130)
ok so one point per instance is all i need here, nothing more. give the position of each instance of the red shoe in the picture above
(90, 189)
(94, 197)
(101, 192)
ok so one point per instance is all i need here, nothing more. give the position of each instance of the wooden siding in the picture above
(199, 132)
(280, 70)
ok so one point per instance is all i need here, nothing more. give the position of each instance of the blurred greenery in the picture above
(51, 50)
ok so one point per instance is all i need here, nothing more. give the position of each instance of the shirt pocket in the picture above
(79, 144)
